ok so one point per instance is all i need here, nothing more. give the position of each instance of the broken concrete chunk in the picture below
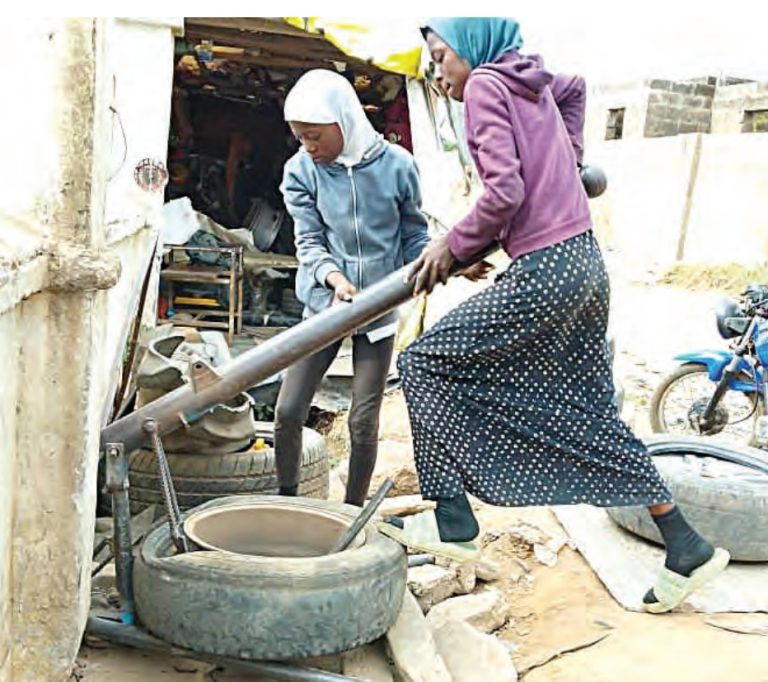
(368, 663)
(412, 646)
(472, 656)
(431, 584)
(544, 555)
(404, 505)
(395, 461)
(547, 552)
(466, 578)
(488, 570)
(529, 533)
(487, 611)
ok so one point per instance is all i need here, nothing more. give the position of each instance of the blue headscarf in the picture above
(479, 40)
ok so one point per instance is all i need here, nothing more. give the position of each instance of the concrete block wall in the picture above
(631, 96)
(678, 108)
(730, 103)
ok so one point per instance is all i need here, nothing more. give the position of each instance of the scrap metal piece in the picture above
(202, 375)
(117, 485)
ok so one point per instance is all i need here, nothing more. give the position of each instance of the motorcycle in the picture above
(719, 392)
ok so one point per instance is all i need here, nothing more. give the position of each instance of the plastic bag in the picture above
(411, 324)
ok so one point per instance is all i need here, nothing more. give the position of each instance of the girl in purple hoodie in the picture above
(511, 395)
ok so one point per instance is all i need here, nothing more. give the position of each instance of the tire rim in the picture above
(681, 395)
(268, 529)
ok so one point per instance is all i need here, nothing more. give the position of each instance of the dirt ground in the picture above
(565, 627)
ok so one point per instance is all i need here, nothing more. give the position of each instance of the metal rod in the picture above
(117, 485)
(185, 405)
(420, 560)
(169, 491)
(363, 517)
(102, 544)
(131, 636)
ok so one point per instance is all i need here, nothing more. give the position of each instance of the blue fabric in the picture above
(479, 40)
(364, 221)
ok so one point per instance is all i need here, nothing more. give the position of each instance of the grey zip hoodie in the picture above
(364, 221)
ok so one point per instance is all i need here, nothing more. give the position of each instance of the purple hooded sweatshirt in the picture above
(525, 133)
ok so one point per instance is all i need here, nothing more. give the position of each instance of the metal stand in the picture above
(125, 633)
(117, 484)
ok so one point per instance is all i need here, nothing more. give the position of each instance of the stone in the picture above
(529, 533)
(337, 490)
(487, 611)
(75, 269)
(466, 578)
(488, 570)
(464, 573)
(517, 569)
(404, 505)
(545, 555)
(187, 665)
(395, 461)
(472, 656)
(368, 663)
(331, 663)
(412, 647)
(431, 584)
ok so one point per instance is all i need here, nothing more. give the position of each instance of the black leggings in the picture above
(371, 365)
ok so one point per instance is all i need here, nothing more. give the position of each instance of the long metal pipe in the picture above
(185, 405)
(131, 636)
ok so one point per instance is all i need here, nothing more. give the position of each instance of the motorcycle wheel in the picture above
(690, 384)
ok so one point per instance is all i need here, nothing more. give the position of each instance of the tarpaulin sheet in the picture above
(392, 45)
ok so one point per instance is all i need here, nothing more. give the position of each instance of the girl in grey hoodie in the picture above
(356, 205)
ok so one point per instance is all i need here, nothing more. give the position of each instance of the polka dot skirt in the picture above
(510, 395)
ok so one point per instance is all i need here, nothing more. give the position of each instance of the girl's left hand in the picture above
(432, 266)
(476, 272)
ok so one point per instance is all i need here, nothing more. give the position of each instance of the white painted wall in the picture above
(643, 212)
(729, 211)
(64, 203)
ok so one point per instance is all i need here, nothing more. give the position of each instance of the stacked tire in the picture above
(199, 478)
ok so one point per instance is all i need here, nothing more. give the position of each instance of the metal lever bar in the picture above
(346, 538)
(185, 405)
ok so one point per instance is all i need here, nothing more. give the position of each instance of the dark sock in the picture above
(455, 519)
(686, 549)
(289, 490)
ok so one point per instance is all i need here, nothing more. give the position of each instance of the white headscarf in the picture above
(322, 96)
